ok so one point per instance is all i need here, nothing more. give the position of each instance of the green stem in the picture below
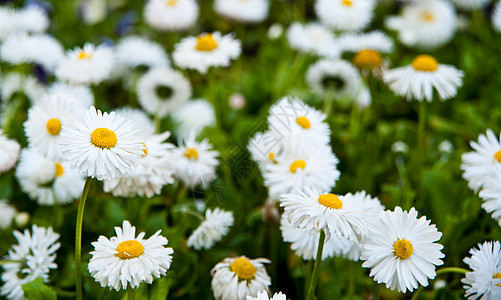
(416, 293)
(131, 294)
(307, 277)
(78, 239)
(351, 281)
(328, 101)
(213, 95)
(452, 270)
(316, 269)
(421, 147)
(193, 213)
(158, 122)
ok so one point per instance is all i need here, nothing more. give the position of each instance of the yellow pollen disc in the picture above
(271, 155)
(425, 63)
(347, 2)
(129, 249)
(367, 59)
(497, 276)
(206, 42)
(103, 138)
(303, 122)
(59, 170)
(331, 201)
(296, 165)
(171, 3)
(191, 153)
(403, 249)
(84, 55)
(145, 150)
(428, 16)
(243, 268)
(497, 156)
(53, 126)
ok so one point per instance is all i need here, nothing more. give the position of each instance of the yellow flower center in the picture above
(206, 42)
(171, 3)
(103, 138)
(84, 55)
(425, 63)
(346, 2)
(367, 59)
(243, 268)
(296, 165)
(331, 201)
(403, 249)
(59, 169)
(303, 122)
(497, 156)
(145, 150)
(129, 249)
(497, 276)
(53, 126)
(427, 16)
(271, 156)
(191, 153)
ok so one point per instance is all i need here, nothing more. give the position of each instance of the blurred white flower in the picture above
(134, 51)
(248, 11)
(29, 19)
(338, 78)
(275, 31)
(345, 15)
(93, 11)
(211, 230)
(7, 213)
(194, 116)
(79, 95)
(9, 152)
(313, 38)
(171, 15)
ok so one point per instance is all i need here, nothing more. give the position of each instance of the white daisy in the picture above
(374, 40)
(171, 15)
(44, 124)
(491, 196)
(248, 11)
(345, 15)
(33, 257)
(484, 281)
(425, 24)
(234, 278)
(194, 116)
(313, 38)
(9, 152)
(139, 118)
(134, 51)
(87, 65)
(479, 166)
(205, 51)
(264, 147)
(471, 4)
(213, 228)
(496, 17)
(80, 95)
(29, 19)
(101, 145)
(28, 85)
(264, 296)
(195, 163)
(126, 260)
(7, 213)
(425, 74)
(401, 250)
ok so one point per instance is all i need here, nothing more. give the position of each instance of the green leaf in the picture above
(37, 290)
(161, 288)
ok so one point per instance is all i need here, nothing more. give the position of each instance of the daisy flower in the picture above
(213, 228)
(491, 196)
(425, 24)
(264, 147)
(79, 95)
(7, 213)
(485, 279)
(479, 166)
(29, 19)
(101, 145)
(126, 260)
(195, 163)
(33, 257)
(16, 83)
(205, 51)
(471, 4)
(313, 38)
(87, 65)
(345, 15)
(195, 116)
(425, 74)
(9, 152)
(401, 250)
(162, 91)
(234, 278)
(171, 15)
(135, 51)
(496, 17)
(264, 296)
(249, 11)
(139, 118)
(367, 47)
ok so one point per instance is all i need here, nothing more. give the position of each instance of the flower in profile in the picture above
(484, 281)
(171, 15)
(345, 15)
(249, 11)
(194, 115)
(87, 65)
(7, 214)
(136, 51)
(29, 19)
(33, 257)
(425, 74)
(313, 38)
(126, 260)
(99, 145)
(234, 278)
(9, 152)
(205, 51)
(213, 228)
(401, 250)
(264, 296)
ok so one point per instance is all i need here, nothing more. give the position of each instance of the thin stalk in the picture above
(78, 238)
(328, 101)
(194, 213)
(351, 281)
(452, 270)
(421, 147)
(316, 269)
(158, 122)
(213, 95)
(131, 294)
(307, 277)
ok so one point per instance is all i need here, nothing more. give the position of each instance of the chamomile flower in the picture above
(234, 278)
(79, 95)
(213, 228)
(101, 145)
(491, 196)
(126, 260)
(425, 24)
(9, 152)
(205, 51)
(425, 74)
(471, 4)
(264, 147)
(264, 296)
(194, 116)
(479, 166)
(134, 51)
(484, 281)
(496, 17)
(162, 91)
(171, 15)
(195, 163)
(345, 15)
(87, 65)
(29, 19)
(401, 250)
(368, 48)
(7, 213)
(249, 11)
(33, 257)
(313, 38)
(44, 123)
